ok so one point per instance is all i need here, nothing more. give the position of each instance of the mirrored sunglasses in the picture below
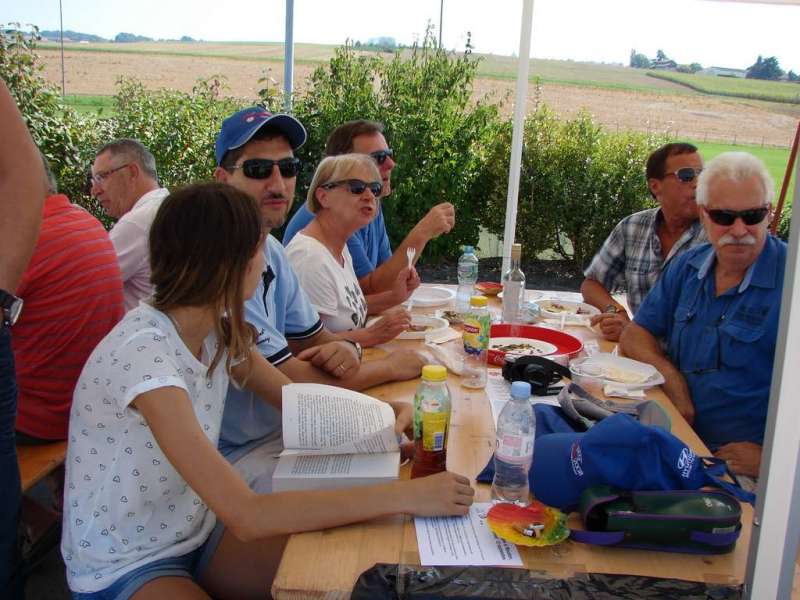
(380, 156)
(261, 168)
(356, 186)
(686, 174)
(751, 216)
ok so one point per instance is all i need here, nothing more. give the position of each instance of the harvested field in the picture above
(687, 115)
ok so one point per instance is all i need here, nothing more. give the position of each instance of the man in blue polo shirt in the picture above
(716, 308)
(255, 153)
(373, 261)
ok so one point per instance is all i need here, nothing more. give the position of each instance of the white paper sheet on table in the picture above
(498, 391)
(463, 541)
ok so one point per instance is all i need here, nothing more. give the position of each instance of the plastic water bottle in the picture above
(514, 288)
(467, 278)
(477, 328)
(431, 422)
(513, 453)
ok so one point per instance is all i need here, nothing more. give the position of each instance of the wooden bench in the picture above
(35, 462)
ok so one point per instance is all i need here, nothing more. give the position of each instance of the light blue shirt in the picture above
(369, 246)
(280, 311)
(723, 345)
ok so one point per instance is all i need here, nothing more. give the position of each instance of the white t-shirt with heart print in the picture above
(124, 503)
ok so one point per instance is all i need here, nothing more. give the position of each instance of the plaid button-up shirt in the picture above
(631, 259)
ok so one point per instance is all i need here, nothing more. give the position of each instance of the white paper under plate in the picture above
(432, 296)
(431, 325)
(529, 295)
(619, 370)
(531, 347)
(572, 312)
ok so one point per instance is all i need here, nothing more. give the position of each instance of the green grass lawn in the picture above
(776, 160)
(96, 105)
(775, 91)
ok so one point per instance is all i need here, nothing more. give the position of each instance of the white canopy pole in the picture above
(288, 57)
(776, 524)
(523, 62)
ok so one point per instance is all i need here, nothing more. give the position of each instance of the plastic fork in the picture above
(411, 252)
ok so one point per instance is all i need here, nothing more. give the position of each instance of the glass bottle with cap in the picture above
(431, 422)
(477, 325)
(514, 288)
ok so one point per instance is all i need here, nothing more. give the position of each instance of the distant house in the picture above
(725, 72)
(664, 64)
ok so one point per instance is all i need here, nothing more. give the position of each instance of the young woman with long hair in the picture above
(145, 483)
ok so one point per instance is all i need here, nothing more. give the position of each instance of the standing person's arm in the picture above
(22, 193)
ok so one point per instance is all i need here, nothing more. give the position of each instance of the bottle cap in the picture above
(516, 251)
(468, 249)
(521, 389)
(436, 373)
(478, 301)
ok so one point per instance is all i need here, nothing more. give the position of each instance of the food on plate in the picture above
(452, 316)
(624, 375)
(520, 349)
(557, 307)
(488, 288)
(418, 328)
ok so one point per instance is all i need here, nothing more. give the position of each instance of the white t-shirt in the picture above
(332, 288)
(129, 236)
(124, 503)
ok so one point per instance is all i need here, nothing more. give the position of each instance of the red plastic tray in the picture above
(567, 344)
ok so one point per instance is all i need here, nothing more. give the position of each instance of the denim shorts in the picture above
(191, 565)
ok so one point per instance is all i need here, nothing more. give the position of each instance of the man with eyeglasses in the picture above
(716, 310)
(373, 261)
(642, 244)
(125, 183)
(255, 154)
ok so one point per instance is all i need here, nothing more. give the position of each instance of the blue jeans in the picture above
(11, 580)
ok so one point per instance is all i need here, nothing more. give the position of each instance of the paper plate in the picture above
(529, 295)
(566, 345)
(432, 296)
(571, 311)
(618, 370)
(518, 346)
(431, 324)
(506, 520)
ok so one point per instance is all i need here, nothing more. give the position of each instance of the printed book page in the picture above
(324, 419)
(463, 541)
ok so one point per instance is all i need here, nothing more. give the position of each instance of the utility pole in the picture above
(441, 15)
(63, 77)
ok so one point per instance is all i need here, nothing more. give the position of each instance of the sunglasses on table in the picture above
(380, 156)
(261, 168)
(685, 174)
(356, 186)
(751, 216)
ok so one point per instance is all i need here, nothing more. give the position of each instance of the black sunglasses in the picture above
(380, 156)
(261, 168)
(686, 174)
(356, 186)
(751, 216)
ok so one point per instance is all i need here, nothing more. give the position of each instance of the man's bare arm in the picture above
(22, 192)
(595, 294)
(639, 344)
(439, 219)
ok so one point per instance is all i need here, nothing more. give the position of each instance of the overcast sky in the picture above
(708, 32)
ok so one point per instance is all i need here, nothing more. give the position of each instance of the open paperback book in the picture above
(334, 438)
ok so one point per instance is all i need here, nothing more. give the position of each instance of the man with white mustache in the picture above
(716, 310)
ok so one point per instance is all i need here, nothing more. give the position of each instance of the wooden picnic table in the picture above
(326, 564)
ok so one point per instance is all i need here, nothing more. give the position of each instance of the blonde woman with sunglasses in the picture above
(344, 197)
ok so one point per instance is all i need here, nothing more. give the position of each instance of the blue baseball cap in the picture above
(240, 127)
(618, 451)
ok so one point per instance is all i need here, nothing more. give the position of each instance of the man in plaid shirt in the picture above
(642, 244)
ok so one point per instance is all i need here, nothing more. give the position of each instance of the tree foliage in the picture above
(765, 68)
(577, 181)
(639, 60)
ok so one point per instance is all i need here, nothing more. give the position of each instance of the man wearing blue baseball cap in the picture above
(255, 154)
(716, 308)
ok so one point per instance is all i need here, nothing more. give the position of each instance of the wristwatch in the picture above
(611, 309)
(359, 349)
(11, 306)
